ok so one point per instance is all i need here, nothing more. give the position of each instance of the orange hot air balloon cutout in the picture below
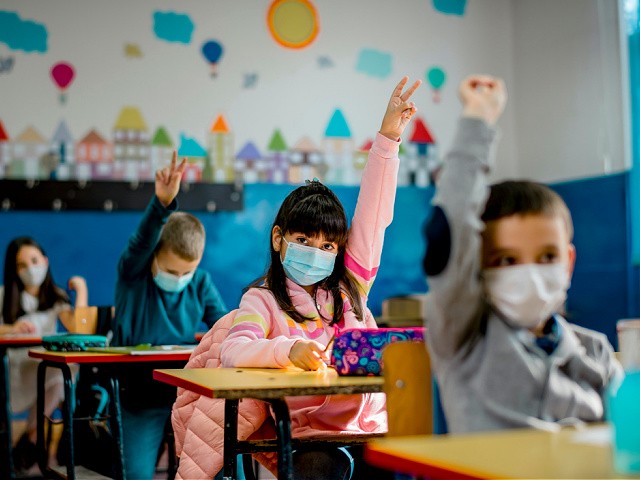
(62, 74)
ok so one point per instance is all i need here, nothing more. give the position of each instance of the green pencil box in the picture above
(73, 342)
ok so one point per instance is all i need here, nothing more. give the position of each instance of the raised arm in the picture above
(135, 259)
(374, 209)
(79, 285)
(452, 260)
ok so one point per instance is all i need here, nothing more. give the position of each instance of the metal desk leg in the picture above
(230, 439)
(116, 426)
(283, 436)
(6, 455)
(67, 415)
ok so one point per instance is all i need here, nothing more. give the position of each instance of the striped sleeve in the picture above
(250, 342)
(374, 212)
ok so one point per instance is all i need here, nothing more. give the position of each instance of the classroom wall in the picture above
(565, 122)
(172, 86)
(293, 91)
(570, 93)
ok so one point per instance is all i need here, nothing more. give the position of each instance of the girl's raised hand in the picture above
(399, 111)
(77, 283)
(308, 355)
(168, 180)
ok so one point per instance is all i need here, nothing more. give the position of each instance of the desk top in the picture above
(264, 383)
(525, 453)
(19, 340)
(93, 357)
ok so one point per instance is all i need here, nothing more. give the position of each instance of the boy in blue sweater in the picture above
(161, 298)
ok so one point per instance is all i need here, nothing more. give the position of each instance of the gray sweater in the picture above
(491, 375)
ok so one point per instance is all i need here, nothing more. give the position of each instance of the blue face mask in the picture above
(307, 265)
(171, 283)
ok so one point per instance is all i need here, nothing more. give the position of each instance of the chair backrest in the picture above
(92, 320)
(408, 386)
(404, 311)
(85, 320)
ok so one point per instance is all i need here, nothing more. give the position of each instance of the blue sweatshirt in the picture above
(144, 312)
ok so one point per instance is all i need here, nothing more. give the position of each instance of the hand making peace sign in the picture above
(168, 180)
(399, 111)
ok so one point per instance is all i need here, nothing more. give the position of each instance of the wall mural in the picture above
(115, 169)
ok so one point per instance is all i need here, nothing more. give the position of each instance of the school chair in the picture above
(402, 311)
(93, 320)
(408, 387)
(85, 320)
(91, 397)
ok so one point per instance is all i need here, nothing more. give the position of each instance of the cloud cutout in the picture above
(20, 34)
(173, 27)
(374, 63)
(450, 7)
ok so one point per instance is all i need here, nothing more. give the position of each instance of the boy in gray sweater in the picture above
(498, 264)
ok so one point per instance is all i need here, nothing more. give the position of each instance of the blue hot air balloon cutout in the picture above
(212, 52)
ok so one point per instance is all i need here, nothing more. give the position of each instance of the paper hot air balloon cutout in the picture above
(62, 74)
(212, 52)
(436, 78)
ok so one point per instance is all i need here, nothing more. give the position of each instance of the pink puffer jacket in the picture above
(199, 421)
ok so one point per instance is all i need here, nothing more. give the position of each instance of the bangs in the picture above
(317, 214)
(522, 197)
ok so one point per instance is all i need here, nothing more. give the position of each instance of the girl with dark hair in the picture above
(316, 285)
(31, 303)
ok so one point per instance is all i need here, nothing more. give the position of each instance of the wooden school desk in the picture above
(521, 453)
(268, 384)
(61, 361)
(6, 447)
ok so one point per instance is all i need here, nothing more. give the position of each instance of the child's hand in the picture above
(308, 355)
(24, 326)
(78, 284)
(483, 97)
(399, 111)
(168, 181)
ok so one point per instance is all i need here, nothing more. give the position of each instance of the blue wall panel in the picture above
(89, 243)
(601, 289)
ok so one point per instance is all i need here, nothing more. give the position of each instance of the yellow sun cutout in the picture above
(293, 23)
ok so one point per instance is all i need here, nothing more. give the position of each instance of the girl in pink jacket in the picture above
(316, 285)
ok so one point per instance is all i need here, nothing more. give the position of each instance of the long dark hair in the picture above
(312, 209)
(48, 295)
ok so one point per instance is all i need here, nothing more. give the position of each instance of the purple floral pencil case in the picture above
(359, 351)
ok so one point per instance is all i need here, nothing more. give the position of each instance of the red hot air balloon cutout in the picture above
(62, 74)
(212, 52)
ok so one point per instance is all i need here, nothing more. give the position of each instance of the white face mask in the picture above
(526, 295)
(33, 275)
